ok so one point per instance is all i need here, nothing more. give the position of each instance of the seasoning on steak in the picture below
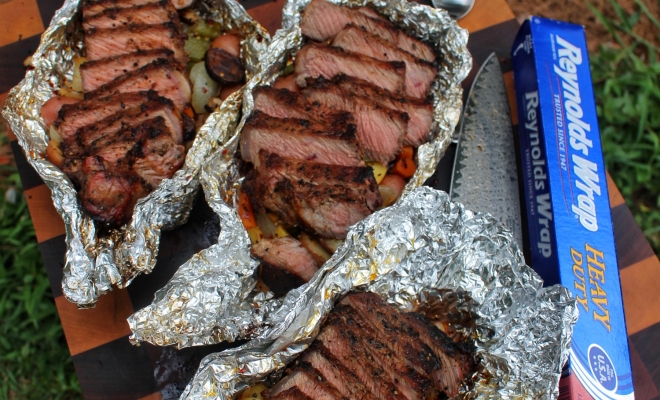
(104, 43)
(380, 130)
(72, 117)
(331, 143)
(93, 7)
(420, 112)
(367, 350)
(322, 20)
(291, 394)
(157, 157)
(160, 75)
(285, 263)
(283, 103)
(316, 60)
(419, 73)
(97, 73)
(224, 67)
(106, 195)
(149, 14)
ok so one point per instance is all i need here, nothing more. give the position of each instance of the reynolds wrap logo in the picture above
(585, 171)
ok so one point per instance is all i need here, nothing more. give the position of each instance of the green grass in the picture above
(34, 358)
(626, 79)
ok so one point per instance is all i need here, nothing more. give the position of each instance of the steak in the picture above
(292, 394)
(380, 130)
(106, 196)
(346, 347)
(106, 128)
(316, 60)
(406, 380)
(456, 360)
(359, 179)
(157, 157)
(104, 43)
(283, 103)
(395, 332)
(308, 381)
(93, 7)
(322, 20)
(284, 262)
(331, 143)
(419, 73)
(148, 14)
(160, 76)
(420, 112)
(334, 372)
(72, 117)
(97, 73)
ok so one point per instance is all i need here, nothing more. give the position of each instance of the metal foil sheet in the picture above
(211, 298)
(95, 262)
(427, 254)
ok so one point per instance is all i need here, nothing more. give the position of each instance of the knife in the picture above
(485, 176)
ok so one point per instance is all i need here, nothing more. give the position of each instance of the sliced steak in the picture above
(331, 143)
(104, 43)
(148, 14)
(106, 196)
(419, 73)
(457, 360)
(407, 380)
(316, 60)
(160, 76)
(157, 157)
(308, 381)
(291, 394)
(420, 112)
(380, 130)
(97, 73)
(322, 20)
(106, 128)
(285, 263)
(72, 117)
(395, 333)
(283, 103)
(94, 7)
(334, 372)
(347, 348)
(271, 195)
(359, 179)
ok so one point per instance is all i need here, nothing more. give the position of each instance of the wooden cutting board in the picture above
(109, 367)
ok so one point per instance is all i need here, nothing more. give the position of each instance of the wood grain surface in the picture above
(109, 367)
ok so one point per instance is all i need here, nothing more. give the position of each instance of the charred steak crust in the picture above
(149, 14)
(341, 128)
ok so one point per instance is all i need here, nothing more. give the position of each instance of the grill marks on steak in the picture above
(331, 143)
(380, 130)
(322, 20)
(419, 73)
(94, 7)
(317, 60)
(420, 112)
(353, 359)
(148, 14)
(160, 75)
(326, 199)
(103, 43)
(97, 73)
(283, 103)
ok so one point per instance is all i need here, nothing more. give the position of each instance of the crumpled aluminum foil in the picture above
(424, 253)
(210, 298)
(94, 263)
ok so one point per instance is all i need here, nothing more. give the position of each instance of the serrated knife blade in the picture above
(485, 175)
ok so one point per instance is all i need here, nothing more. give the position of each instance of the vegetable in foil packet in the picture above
(95, 262)
(423, 252)
(212, 298)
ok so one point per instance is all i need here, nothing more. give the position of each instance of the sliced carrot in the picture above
(404, 166)
(245, 211)
(189, 112)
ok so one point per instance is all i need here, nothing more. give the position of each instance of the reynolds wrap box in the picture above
(568, 210)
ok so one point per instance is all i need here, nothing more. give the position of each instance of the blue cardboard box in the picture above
(567, 204)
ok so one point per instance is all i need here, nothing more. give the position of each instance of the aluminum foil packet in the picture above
(210, 298)
(95, 262)
(426, 254)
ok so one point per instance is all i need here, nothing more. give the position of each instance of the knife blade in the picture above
(485, 175)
